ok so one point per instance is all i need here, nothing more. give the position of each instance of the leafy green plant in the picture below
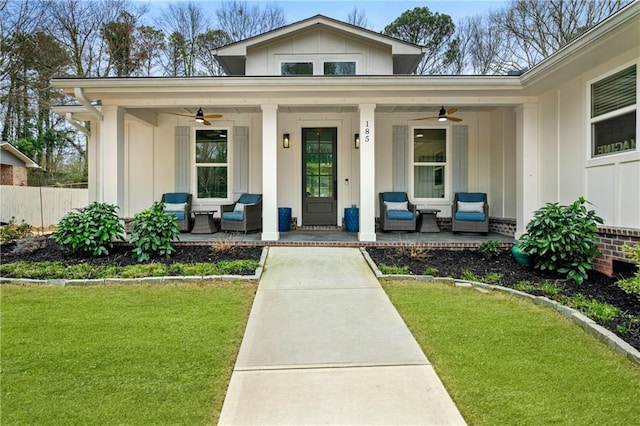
(525, 286)
(430, 270)
(152, 232)
(91, 229)
(594, 309)
(550, 288)
(563, 239)
(632, 285)
(489, 249)
(493, 278)
(393, 269)
(469, 276)
(12, 231)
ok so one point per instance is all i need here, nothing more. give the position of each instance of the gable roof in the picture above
(406, 56)
(10, 154)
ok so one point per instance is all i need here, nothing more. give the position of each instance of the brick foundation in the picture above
(611, 242)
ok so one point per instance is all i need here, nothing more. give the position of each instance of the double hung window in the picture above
(429, 163)
(212, 163)
(613, 113)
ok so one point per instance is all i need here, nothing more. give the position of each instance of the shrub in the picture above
(91, 229)
(489, 249)
(563, 239)
(413, 251)
(11, 231)
(152, 232)
(632, 285)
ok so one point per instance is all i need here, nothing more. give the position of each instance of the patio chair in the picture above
(179, 205)
(244, 215)
(397, 213)
(470, 213)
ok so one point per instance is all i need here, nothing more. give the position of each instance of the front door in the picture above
(319, 186)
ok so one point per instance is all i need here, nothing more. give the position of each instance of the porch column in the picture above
(93, 159)
(112, 156)
(367, 173)
(527, 165)
(270, 173)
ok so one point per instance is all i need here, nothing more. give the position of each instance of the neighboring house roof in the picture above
(12, 156)
(406, 56)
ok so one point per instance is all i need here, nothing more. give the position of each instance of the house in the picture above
(321, 115)
(13, 165)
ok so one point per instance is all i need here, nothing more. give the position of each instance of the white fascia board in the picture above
(240, 48)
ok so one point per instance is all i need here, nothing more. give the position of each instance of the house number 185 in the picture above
(367, 132)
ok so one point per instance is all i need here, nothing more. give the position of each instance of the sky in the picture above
(379, 13)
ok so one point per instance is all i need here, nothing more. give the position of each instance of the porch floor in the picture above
(339, 238)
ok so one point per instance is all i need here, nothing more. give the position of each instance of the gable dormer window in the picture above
(339, 68)
(296, 68)
(334, 64)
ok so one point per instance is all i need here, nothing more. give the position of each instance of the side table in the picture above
(203, 222)
(428, 220)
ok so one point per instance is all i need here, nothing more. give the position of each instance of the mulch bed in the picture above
(453, 264)
(449, 263)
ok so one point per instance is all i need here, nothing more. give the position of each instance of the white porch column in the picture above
(112, 156)
(93, 159)
(270, 173)
(527, 165)
(367, 173)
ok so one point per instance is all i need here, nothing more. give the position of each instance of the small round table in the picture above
(203, 222)
(428, 220)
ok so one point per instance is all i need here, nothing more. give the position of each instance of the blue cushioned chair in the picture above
(243, 215)
(396, 220)
(470, 213)
(179, 205)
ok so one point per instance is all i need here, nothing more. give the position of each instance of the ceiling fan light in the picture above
(442, 118)
(200, 116)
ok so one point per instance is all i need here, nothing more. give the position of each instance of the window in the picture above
(212, 168)
(429, 163)
(613, 113)
(339, 68)
(296, 68)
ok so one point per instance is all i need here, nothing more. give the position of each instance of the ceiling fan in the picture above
(200, 116)
(443, 115)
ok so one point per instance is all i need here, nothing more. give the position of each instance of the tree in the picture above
(540, 28)
(184, 22)
(433, 31)
(241, 21)
(207, 43)
(482, 45)
(120, 39)
(358, 17)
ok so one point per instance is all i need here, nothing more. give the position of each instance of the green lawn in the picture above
(135, 354)
(506, 361)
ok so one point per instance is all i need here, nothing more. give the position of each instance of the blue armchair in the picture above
(178, 204)
(397, 213)
(470, 213)
(243, 215)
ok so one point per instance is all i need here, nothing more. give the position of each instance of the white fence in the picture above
(39, 206)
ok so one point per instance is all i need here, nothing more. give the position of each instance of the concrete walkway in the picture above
(324, 345)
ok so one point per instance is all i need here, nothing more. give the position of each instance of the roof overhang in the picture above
(28, 162)
(406, 56)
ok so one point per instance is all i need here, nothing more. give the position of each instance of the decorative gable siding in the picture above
(318, 45)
